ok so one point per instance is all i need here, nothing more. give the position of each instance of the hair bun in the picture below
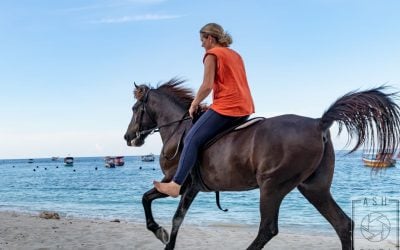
(223, 38)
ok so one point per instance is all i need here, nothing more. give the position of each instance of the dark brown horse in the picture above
(275, 155)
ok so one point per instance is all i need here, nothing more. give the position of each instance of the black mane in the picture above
(175, 91)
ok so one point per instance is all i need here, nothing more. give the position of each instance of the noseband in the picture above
(142, 112)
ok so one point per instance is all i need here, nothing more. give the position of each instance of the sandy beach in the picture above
(24, 231)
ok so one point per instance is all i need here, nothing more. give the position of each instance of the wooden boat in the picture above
(381, 160)
(109, 162)
(68, 161)
(148, 158)
(119, 161)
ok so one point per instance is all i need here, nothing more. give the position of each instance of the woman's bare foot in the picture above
(170, 188)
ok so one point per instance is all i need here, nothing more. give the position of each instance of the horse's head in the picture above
(142, 121)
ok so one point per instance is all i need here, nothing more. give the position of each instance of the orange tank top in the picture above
(231, 92)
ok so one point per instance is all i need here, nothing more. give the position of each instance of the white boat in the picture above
(148, 158)
(109, 162)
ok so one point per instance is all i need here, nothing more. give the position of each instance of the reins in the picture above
(157, 128)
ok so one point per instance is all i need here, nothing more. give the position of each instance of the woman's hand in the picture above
(193, 109)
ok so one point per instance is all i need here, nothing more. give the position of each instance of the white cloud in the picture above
(146, 1)
(114, 4)
(147, 17)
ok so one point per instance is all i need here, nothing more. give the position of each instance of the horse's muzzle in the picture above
(128, 140)
(135, 141)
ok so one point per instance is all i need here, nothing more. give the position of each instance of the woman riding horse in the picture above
(275, 155)
(224, 73)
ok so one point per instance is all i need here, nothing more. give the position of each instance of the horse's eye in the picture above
(135, 107)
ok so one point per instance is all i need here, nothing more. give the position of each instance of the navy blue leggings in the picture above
(208, 126)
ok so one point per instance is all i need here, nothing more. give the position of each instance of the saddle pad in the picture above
(246, 124)
(249, 122)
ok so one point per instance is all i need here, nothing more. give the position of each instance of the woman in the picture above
(225, 75)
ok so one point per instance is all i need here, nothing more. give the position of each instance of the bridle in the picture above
(156, 128)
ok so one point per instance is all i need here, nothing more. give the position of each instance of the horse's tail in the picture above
(371, 116)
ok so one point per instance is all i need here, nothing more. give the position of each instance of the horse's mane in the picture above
(175, 91)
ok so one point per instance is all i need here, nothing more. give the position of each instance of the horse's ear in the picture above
(138, 92)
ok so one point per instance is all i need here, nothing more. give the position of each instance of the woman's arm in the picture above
(210, 65)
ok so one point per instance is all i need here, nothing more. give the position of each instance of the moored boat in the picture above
(109, 162)
(119, 161)
(148, 158)
(68, 161)
(380, 160)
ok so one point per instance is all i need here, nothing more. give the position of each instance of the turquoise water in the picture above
(83, 191)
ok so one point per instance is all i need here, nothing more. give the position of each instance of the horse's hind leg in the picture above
(316, 190)
(270, 201)
(323, 201)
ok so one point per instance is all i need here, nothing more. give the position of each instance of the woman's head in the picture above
(216, 32)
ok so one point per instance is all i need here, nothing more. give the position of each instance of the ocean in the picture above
(82, 191)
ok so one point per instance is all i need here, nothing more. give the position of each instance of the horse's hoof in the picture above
(162, 235)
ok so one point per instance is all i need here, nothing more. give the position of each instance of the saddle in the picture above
(238, 125)
(241, 123)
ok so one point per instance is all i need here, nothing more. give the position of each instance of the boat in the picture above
(119, 161)
(68, 161)
(109, 162)
(54, 158)
(31, 161)
(148, 158)
(380, 160)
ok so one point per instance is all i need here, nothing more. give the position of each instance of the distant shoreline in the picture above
(97, 156)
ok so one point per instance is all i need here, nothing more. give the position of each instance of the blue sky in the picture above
(67, 67)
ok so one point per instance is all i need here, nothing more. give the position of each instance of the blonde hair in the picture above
(222, 37)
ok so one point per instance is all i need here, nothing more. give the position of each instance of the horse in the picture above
(276, 154)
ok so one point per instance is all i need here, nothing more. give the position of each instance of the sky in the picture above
(67, 67)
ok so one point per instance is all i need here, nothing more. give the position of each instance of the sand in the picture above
(25, 231)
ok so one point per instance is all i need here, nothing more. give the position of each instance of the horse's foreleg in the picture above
(186, 200)
(158, 231)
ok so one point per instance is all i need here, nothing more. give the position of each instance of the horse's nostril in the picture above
(126, 137)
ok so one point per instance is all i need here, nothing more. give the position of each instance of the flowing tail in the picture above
(371, 116)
